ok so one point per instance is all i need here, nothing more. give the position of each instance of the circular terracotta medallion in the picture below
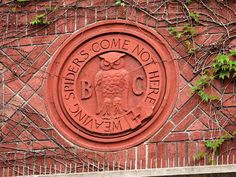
(111, 86)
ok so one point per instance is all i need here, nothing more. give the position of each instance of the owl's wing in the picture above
(98, 91)
(125, 84)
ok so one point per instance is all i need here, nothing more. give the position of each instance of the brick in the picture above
(121, 12)
(8, 94)
(191, 153)
(208, 122)
(26, 92)
(90, 16)
(164, 131)
(25, 50)
(37, 103)
(42, 40)
(26, 136)
(70, 21)
(36, 82)
(168, 37)
(172, 9)
(37, 133)
(196, 136)
(8, 147)
(229, 100)
(197, 126)
(84, 3)
(184, 96)
(197, 112)
(80, 18)
(131, 14)
(108, 159)
(141, 156)
(57, 43)
(186, 70)
(43, 145)
(213, 134)
(36, 66)
(180, 136)
(13, 54)
(60, 22)
(152, 155)
(186, 122)
(182, 149)
(35, 118)
(55, 136)
(161, 155)
(192, 102)
(111, 12)
(121, 159)
(229, 127)
(101, 13)
(131, 158)
(108, 2)
(230, 112)
(171, 159)
(151, 21)
(13, 105)
(51, 29)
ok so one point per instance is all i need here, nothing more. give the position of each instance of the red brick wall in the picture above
(27, 138)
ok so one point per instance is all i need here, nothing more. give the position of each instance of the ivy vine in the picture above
(222, 68)
(212, 148)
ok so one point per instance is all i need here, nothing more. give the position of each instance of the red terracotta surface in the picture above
(111, 85)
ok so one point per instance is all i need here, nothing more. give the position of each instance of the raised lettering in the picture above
(138, 85)
(116, 126)
(86, 88)
(150, 100)
(107, 126)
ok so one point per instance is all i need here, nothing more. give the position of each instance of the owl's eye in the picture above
(106, 63)
(117, 62)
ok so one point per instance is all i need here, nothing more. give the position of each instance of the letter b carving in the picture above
(86, 88)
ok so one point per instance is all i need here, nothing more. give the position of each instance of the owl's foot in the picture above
(117, 107)
(106, 109)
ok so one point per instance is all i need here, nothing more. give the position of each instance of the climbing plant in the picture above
(212, 149)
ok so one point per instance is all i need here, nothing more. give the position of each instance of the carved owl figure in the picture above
(111, 85)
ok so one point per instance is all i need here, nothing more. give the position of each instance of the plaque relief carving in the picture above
(111, 86)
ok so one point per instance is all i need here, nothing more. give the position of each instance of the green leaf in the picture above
(178, 35)
(214, 97)
(188, 1)
(188, 44)
(194, 16)
(39, 19)
(204, 96)
(120, 3)
(200, 155)
(222, 58)
(232, 52)
(224, 74)
(22, 1)
(172, 30)
(208, 144)
(189, 30)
